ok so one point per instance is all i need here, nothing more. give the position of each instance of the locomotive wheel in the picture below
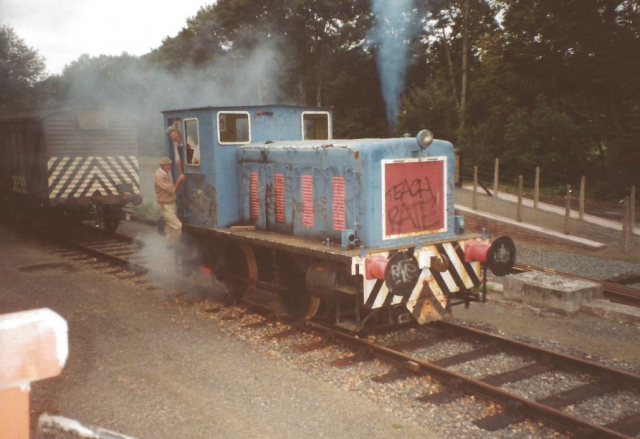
(299, 305)
(241, 271)
(294, 296)
(314, 305)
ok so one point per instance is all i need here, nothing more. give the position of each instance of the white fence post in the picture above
(567, 210)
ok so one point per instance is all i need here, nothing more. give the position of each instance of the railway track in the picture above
(406, 360)
(98, 248)
(612, 291)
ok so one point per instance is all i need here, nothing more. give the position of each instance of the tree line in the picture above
(532, 82)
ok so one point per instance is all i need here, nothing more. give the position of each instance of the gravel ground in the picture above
(149, 364)
(492, 365)
(399, 397)
(618, 404)
(224, 361)
(544, 385)
(575, 263)
(562, 333)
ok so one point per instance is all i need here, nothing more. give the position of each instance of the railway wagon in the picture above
(362, 231)
(69, 164)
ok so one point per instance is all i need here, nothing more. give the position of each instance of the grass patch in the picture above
(148, 209)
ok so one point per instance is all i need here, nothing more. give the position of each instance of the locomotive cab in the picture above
(211, 137)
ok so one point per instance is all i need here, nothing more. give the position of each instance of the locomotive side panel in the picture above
(308, 192)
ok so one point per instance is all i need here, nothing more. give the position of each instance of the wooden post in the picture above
(496, 187)
(474, 201)
(632, 210)
(520, 191)
(582, 197)
(536, 189)
(457, 178)
(624, 247)
(624, 244)
(567, 210)
(34, 346)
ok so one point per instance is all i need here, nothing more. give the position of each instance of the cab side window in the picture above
(192, 141)
(315, 126)
(233, 127)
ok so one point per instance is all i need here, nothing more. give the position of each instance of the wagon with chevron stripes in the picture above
(361, 232)
(71, 164)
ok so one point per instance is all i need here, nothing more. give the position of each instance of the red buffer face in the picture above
(414, 200)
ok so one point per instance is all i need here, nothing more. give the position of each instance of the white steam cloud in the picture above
(244, 78)
(164, 269)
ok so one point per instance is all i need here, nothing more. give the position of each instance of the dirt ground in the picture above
(145, 366)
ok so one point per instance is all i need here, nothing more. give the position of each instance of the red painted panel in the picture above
(338, 203)
(254, 184)
(279, 186)
(307, 200)
(414, 197)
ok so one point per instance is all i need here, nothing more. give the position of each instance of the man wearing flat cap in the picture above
(190, 149)
(166, 196)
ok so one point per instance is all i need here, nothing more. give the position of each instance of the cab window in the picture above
(315, 125)
(234, 127)
(192, 142)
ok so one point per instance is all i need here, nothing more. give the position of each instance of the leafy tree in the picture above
(319, 42)
(533, 82)
(450, 52)
(583, 56)
(20, 68)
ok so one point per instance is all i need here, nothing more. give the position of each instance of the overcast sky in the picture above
(62, 30)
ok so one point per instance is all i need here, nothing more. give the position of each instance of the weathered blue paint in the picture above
(217, 193)
(218, 170)
(359, 162)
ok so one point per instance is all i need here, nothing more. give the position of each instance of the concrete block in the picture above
(550, 291)
(613, 311)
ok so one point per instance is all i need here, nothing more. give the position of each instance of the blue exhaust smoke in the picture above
(394, 27)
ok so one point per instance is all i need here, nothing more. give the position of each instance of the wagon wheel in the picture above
(241, 271)
(110, 225)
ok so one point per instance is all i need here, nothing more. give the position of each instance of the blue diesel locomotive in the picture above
(363, 231)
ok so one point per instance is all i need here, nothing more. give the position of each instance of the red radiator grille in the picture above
(307, 200)
(253, 194)
(338, 203)
(414, 197)
(279, 186)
